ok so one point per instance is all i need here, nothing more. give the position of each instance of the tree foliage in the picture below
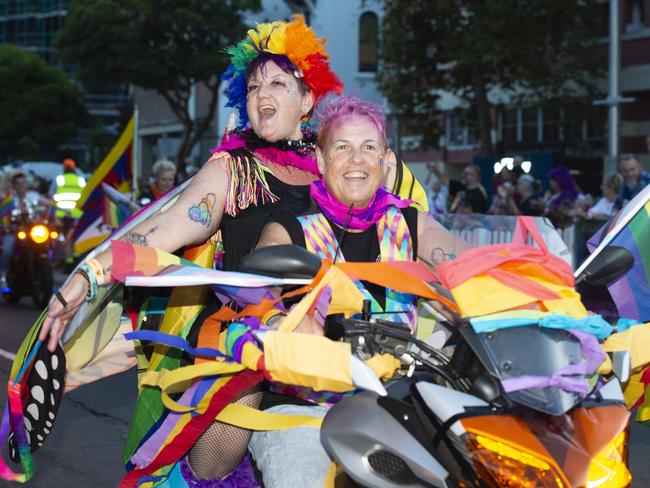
(532, 49)
(159, 45)
(40, 107)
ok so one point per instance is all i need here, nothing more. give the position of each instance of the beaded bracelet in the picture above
(87, 273)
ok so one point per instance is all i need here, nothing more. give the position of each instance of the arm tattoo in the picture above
(438, 255)
(202, 212)
(139, 239)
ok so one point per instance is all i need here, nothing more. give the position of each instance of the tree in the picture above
(40, 106)
(162, 45)
(544, 50)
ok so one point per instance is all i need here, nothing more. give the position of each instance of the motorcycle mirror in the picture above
(286, 261)
(612, 263)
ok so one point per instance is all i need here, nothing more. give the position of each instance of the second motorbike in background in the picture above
(30, 271)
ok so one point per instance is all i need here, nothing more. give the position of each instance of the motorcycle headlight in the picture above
(21, 234)
(501, 464)
(608, 467)
(39, 234)
(54, 234)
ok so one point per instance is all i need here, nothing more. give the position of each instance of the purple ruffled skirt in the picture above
(242, 477)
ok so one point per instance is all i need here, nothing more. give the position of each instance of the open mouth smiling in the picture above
(355, 175)
(266, 111)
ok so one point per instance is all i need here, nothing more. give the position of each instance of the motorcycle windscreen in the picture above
(530, 351)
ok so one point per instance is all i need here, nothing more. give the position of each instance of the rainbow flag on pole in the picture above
(629, 229)
(116, 171)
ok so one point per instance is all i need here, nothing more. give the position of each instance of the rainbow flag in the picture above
(116, 170)
(116, 208)
(6, 206)
(629, 229)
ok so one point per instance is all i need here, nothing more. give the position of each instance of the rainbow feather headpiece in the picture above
(296, 41)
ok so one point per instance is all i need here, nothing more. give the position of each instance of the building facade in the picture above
(553, 134)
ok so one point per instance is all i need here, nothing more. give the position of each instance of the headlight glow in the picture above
(39, 234)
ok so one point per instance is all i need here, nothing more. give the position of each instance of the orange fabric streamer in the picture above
(500, 277)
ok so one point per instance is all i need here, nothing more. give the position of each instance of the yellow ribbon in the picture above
(250, 418)
(178, 380)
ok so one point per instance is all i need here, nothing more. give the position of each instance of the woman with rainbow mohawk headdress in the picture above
(276, 77)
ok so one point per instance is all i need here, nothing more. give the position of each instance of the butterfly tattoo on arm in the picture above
(202, 212)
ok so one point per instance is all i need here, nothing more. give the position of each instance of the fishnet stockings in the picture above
(222, 447)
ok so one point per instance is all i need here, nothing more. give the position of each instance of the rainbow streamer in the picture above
(132, 260)
(13, 419)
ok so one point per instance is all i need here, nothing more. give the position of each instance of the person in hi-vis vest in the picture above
(69, 186)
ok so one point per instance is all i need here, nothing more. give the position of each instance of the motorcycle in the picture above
(30, 271)
(448, 420)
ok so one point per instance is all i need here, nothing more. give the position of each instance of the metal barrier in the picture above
(483, 230)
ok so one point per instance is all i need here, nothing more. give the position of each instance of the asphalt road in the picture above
(85, 447)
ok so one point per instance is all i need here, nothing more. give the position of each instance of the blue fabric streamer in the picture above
(148, 479)
(624, 323)
(173, 341)
(202, 388)
(592, 324)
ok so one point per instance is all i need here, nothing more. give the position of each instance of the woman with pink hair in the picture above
(352, 218)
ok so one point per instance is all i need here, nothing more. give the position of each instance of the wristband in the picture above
(272, 316)
(96, 270)
(87, 273)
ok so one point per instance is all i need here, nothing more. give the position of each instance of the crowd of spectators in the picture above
(518, 193)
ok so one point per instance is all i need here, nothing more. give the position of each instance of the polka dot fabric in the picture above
(43, 392)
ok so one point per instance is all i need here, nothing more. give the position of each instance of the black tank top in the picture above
(241, 233)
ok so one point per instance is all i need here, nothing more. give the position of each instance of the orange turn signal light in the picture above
(501, 464)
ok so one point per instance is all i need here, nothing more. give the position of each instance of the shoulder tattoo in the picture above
(438, 255)
(202, 211)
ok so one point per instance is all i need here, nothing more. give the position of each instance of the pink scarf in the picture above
(294, 154)
(359, 218)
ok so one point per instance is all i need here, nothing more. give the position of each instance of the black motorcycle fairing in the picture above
(285, 261)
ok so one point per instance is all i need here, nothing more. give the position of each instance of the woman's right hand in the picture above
(74, 293)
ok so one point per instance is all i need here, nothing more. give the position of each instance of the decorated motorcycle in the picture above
(472, 409)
